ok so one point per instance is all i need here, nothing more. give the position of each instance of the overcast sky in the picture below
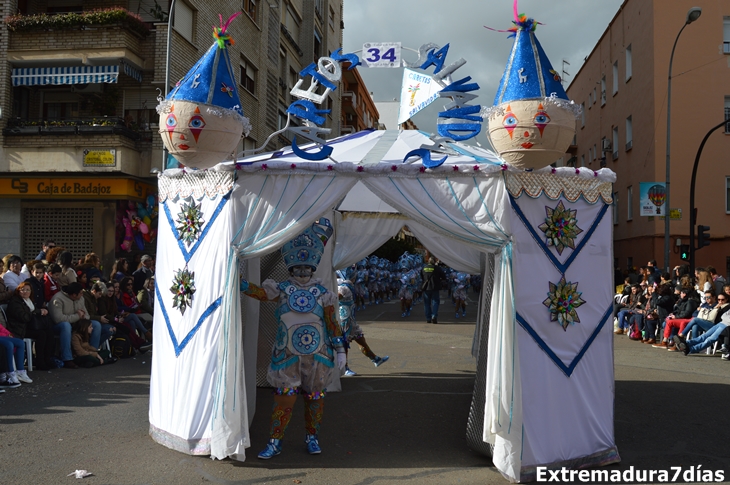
(570, 30)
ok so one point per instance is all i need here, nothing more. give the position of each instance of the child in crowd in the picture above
(84, 354)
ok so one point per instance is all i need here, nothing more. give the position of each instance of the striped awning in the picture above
(132, 71)
(44, 76)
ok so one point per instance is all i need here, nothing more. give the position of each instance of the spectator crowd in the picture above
(76, 315)
(679, 312)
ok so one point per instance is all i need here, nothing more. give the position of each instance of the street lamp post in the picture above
(692, 15)
(167, 69)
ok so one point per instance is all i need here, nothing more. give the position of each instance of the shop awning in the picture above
(46, 76)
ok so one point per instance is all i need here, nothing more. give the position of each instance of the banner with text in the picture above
(418, 91)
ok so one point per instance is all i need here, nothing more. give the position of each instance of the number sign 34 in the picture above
(381, 54)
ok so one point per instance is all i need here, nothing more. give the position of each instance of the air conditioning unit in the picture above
(87, 88)
(606, 145)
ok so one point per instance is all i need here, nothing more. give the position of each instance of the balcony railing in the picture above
(727, 117)
(91, 126)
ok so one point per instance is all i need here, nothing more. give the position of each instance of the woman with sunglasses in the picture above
(128, 304)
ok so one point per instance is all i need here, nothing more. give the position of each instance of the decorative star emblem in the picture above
(562, 301)
(560, 227)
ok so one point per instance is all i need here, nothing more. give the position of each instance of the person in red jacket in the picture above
(50, 281)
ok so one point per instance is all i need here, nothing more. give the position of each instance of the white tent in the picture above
(549, 387)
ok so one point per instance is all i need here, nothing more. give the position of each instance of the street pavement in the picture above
(403, 422)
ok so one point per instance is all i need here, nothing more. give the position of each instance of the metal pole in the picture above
(692, 210)
(667, 175)
(167, 69)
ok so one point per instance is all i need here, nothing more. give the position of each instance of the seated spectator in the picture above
(68, 273)
(684, 309)
(67, 307)
(704, 282)
(91, 299)
(636, 301)
(127, 323)
(86, 355)
(656, 310)
(12, 276)
(120, 269)
(92, 263)
(127, 301)
(665, 279)
(717, 280)
(81, 279)
(53, 253)
(50, 282)
(27, 269)
(143, 272)
(708, 315)
(47, 244)
(146, 296)
(15, 348)
(696, 345)
(26, 320)
(4, 369)
(5, 293)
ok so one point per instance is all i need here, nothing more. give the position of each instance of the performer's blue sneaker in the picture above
(380, 360)
(457, 314)
(403, 315)
(313, 445)
(272, 449)
(463, 314)
(349, 372)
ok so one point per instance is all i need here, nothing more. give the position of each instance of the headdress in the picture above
(307, 248)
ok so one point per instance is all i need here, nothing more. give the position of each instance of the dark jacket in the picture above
(39, 292)
(92, 306)
(663, 305)
(685, 307)
(107, 306)
(432, 277)
(20, 316)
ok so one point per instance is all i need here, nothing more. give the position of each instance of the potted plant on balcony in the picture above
(97, 126)
(22, 128)
(59, 127)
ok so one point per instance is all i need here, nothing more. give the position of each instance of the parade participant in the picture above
(373, 288)
(432, 277)
(407, 281)
(461, 283)
(361, 285)
(309, 335)
(350, 329)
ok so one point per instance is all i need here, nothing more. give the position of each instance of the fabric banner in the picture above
(417, 91)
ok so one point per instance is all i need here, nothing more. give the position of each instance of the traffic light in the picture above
(703, 236)
(684, 252)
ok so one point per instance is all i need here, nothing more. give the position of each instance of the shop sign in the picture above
(72, 187)
(100, 158)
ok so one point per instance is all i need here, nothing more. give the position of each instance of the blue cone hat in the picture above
(529, 74)
(211, 80)
(307, 248)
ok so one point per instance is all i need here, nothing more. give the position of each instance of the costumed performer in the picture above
(350, 329)
(309, 335)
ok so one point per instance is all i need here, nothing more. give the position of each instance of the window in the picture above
(184, 20)
(331, 19)
(603, 90)
(628, 62)
(317, 45)
(726, 35)
(727, 195)
(615, 209)
(630, 203)
(615, 143)
(582, 115)
(291, 20)
(249, 6)
(594, 96)
(615, 78)
(727, 113)
(595, 152)
(318, 7)
(583, 160)
(248, 76)
(629, 134)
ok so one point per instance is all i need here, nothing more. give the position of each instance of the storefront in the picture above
(83, 214)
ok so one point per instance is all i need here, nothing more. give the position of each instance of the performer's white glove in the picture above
(341, 360)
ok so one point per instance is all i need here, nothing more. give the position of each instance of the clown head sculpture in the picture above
(201, 120)
(532, 122)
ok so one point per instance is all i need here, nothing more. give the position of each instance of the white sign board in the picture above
(381, 54)
(418, 91)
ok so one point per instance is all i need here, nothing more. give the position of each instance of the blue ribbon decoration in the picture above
(425, 158)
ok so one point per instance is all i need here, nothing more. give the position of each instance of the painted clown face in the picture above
(532, 134)
(197, 138)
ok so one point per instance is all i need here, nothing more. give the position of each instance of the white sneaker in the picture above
(22, 376)
(12, 378)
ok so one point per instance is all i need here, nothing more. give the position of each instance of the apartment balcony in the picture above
(70, 128)
(63, 41)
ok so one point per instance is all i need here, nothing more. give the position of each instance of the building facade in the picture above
(358, 108)
(622, 87)
(80, 144)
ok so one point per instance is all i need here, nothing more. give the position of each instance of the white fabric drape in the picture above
(457, 255)
(358, 235)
